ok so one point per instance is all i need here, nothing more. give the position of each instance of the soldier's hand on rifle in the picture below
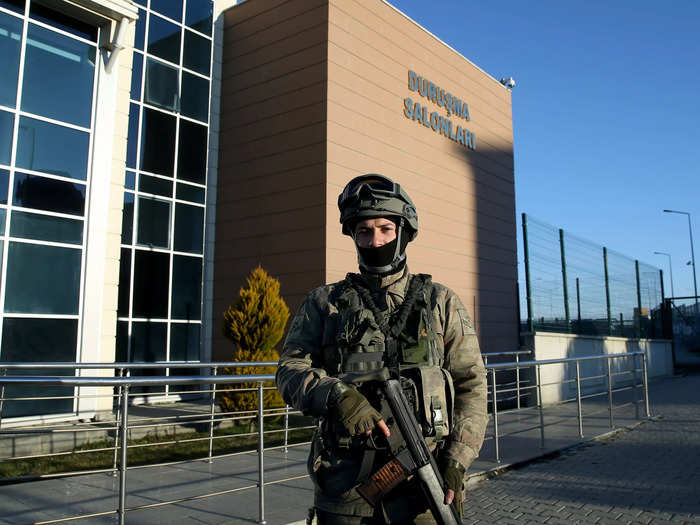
(453, 474)
(352, 410)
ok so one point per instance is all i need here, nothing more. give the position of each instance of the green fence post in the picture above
(638, 319)
(528, 287)
(563, 275)
(660, 313)
(607, 288)
(578, 305)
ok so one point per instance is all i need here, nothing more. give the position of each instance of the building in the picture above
(152, 153)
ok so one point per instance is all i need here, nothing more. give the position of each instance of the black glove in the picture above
(453, 475)
(352, 410)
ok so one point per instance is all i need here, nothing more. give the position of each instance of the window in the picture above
(160, 283)
(45, 154)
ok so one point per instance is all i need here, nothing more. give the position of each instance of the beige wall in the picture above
(271, 180)
(313, 95)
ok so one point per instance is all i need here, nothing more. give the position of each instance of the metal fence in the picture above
(629, 375)
(575, 286)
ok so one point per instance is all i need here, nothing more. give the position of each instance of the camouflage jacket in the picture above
(305, 383)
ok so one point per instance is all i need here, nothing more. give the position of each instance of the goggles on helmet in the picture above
(377, 186)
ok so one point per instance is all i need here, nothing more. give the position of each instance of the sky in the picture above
(606, 116)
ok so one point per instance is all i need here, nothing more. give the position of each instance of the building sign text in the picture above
(454, 107)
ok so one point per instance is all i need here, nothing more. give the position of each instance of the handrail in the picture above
(134, 380)
(157, 364)
(515, 364)
(512, 352)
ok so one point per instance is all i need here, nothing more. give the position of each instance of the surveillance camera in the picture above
(508, 82)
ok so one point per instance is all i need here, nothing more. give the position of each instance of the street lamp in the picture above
(670, 267)
(692, 254)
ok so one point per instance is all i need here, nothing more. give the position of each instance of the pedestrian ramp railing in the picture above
(141, 422)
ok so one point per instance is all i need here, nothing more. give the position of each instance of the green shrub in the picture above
(255, 323)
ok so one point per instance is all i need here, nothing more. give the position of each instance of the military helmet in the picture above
(371, 196)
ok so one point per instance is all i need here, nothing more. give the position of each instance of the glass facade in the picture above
(162, 250)
(47, 93)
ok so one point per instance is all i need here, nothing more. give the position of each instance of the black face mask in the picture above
(385, 259)
(380, 256)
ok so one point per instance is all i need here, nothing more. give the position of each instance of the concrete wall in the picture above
(558, 346)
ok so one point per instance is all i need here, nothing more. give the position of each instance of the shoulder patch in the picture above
(467, 325)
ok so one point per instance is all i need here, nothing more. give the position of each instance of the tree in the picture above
(255, 323)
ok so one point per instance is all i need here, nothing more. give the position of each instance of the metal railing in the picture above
(636, 376)
(518, 381)
(632, 378)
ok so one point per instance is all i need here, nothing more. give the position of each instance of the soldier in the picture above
(383, 317)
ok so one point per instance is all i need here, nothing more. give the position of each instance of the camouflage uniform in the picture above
(305, 377)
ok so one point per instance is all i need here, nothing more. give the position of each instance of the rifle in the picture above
(410, 452)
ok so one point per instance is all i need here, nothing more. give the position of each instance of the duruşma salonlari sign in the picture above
(435, 121)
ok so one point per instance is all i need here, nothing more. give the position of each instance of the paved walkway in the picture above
(649, 473)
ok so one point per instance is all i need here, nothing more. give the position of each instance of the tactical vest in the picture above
(362, 336)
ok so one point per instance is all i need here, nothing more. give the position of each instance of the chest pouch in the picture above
(359, 340)
(421, 364)
(434, 400)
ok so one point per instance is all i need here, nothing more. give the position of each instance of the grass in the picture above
(150, 450)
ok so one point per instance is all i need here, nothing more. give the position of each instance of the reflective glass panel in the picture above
(187, 288)
(170, 8)
(13, 5)
(130, 180)
(50, 148)
(158, 142)
(62, 21)
(197, 53)
(187, 192)
(194, 100)
(136, 72)
(42, 279)
(148, 184)
(151, 278)
(58, 76)
(124, 282)
(39, 340)
(3, 215)
(122, 344)
(10, 41)
(132, 140)
(199, 15)
(7, 122)
(189, 228)
(154, 223)
(149, 344)
(161, 85)
(184, 342)
(46, 228)
(4, 183)
(140, 31)
(164, 39)
(32, 191)
(128, 218)
(192, 152)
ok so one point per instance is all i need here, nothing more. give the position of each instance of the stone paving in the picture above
(648, 475)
